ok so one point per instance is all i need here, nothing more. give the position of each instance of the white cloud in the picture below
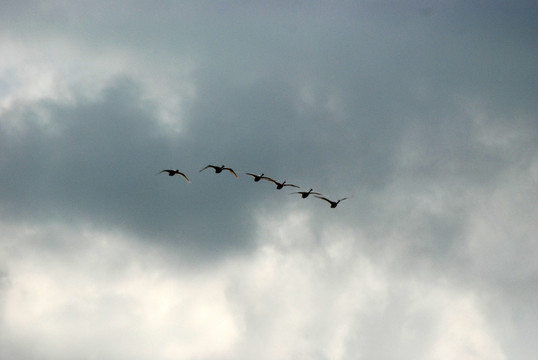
(462, 331)
(502, 234)
(299, 295)
(328, 297)
(100, 295)
(61, 71)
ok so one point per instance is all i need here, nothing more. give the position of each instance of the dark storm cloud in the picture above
(96, 163)
(386, 82)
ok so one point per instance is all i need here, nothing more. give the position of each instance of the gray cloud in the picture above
(98, 166)
(424, 114)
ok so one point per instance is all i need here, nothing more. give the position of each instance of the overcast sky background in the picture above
(423, 112)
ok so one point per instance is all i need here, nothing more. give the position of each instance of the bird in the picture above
(333, 203)
(304, 194)
(279, 185)
(218, 169)
(174, 172)
(256, 177)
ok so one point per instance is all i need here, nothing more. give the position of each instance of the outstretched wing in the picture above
(208, 166)
(269, 179)
(230, 170)
(324, 198)
(184, 176)
(251, 174)
(295, 186)
(160, 172)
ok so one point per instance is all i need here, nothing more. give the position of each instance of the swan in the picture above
(304, 194)
(333, 203)
(256, 177)
(174, 172)
(218, 169)
(279, 185)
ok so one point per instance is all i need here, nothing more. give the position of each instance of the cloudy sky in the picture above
(423, 113)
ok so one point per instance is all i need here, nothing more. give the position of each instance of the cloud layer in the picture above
(424, 115)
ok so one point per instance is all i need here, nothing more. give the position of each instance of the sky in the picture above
(423, 114)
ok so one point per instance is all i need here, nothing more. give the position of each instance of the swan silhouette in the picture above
(256, 177)
(174, 172)
(304, 194)
(333, 203)
(279, 185)
(218, 169)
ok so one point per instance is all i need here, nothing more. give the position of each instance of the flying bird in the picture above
(333, 203)
(256, 177)
(174, 172)
(279, 185)
(304, 194)
(218, 169)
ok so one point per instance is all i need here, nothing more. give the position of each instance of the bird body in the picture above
(172, 172)
(333, 203)
(279, 185)
(304, 194)
(218, 169)
(256, 177)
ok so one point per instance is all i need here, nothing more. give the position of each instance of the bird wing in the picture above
(295, 186)
(324, 198)
(251, 174)
(230, 170)
(269, 179)
(184, 176)
(208, 166)
(342, 199)
(162, 172)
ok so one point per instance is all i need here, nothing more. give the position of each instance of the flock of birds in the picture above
(279, 185)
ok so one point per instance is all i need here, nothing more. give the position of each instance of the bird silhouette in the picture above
(333, 203)
(218, 169)
(256, 177)
(174, 172)
(304, 194)
(279, 185)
